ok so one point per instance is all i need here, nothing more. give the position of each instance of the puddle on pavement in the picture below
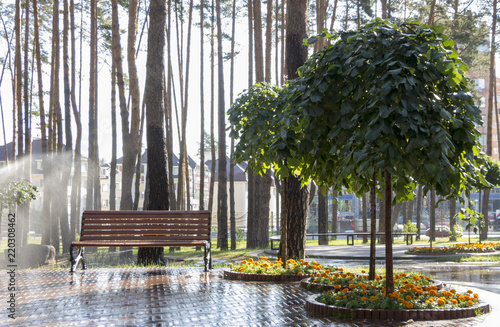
(483, 276)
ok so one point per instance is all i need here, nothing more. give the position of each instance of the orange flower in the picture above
(408, 305)
(441, 301)
(408, 298)
(351, 286)
(364, 299)
(470, 303)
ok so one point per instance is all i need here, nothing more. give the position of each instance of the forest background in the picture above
(65, 77)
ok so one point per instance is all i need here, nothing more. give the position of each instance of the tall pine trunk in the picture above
(296, 196)
(222, 185)
(157, 178)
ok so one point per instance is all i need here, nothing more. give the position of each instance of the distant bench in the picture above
(350, 237)
(148, 228)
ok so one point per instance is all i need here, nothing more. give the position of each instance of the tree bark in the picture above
(373, 227)
(77, 161)
(232, 213)
(364, 214)
(489, 116)
(202, 108)
(432, 217)
(323, 215)
(389, 267)
(157, 178)
(419, 210)
(269, 40)
(296, 195)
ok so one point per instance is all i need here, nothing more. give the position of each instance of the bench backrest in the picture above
(145, 225)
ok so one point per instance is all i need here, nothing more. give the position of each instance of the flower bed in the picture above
(416, 314)
(477, 247)
(409, 302)
(457, 248)
(265, 270)
(341, 280)
(431, 250)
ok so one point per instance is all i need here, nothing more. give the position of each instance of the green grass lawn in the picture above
(188, 255)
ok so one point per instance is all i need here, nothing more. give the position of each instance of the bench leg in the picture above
(74, 261)
(208, 256)
(352, 239)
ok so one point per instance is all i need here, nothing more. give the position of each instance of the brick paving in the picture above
(173, 297)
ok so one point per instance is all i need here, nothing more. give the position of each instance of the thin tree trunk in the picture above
(138, 167)
(430, 21)
(250, 42)
(453, 221)
(283, 61)
(269, 40)
(364, 214)
(112, 177)
(129, 132)
(373, 227)
(202, 107)
(432, 218)
(323, 215)
(135, 94)
(76, 183)
(419, 210)
(389, 268)
(222, 185)
(212, 111)
(489, 119)
(92, 108)
(232, 213)
(168, 118)
(259, 55)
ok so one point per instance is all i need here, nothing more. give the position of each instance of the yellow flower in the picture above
(476, 296)
(244, 262)
(453, 301)
(250, 260)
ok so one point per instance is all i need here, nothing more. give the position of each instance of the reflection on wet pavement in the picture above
(167, 297)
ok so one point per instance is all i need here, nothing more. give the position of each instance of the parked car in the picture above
(441, 231)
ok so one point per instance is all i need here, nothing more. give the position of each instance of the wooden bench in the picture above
(143, 229)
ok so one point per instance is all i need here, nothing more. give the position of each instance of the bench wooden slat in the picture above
(161, 232)
(138, 243)
(143, 237)
(149, 221)
(147, 214)
(202, 228)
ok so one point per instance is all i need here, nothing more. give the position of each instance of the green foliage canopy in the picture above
(385, 97)
(253, 117)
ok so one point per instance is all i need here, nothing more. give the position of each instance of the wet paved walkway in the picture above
(175, 297)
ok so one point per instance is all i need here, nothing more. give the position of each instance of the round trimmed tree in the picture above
(386, 103)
